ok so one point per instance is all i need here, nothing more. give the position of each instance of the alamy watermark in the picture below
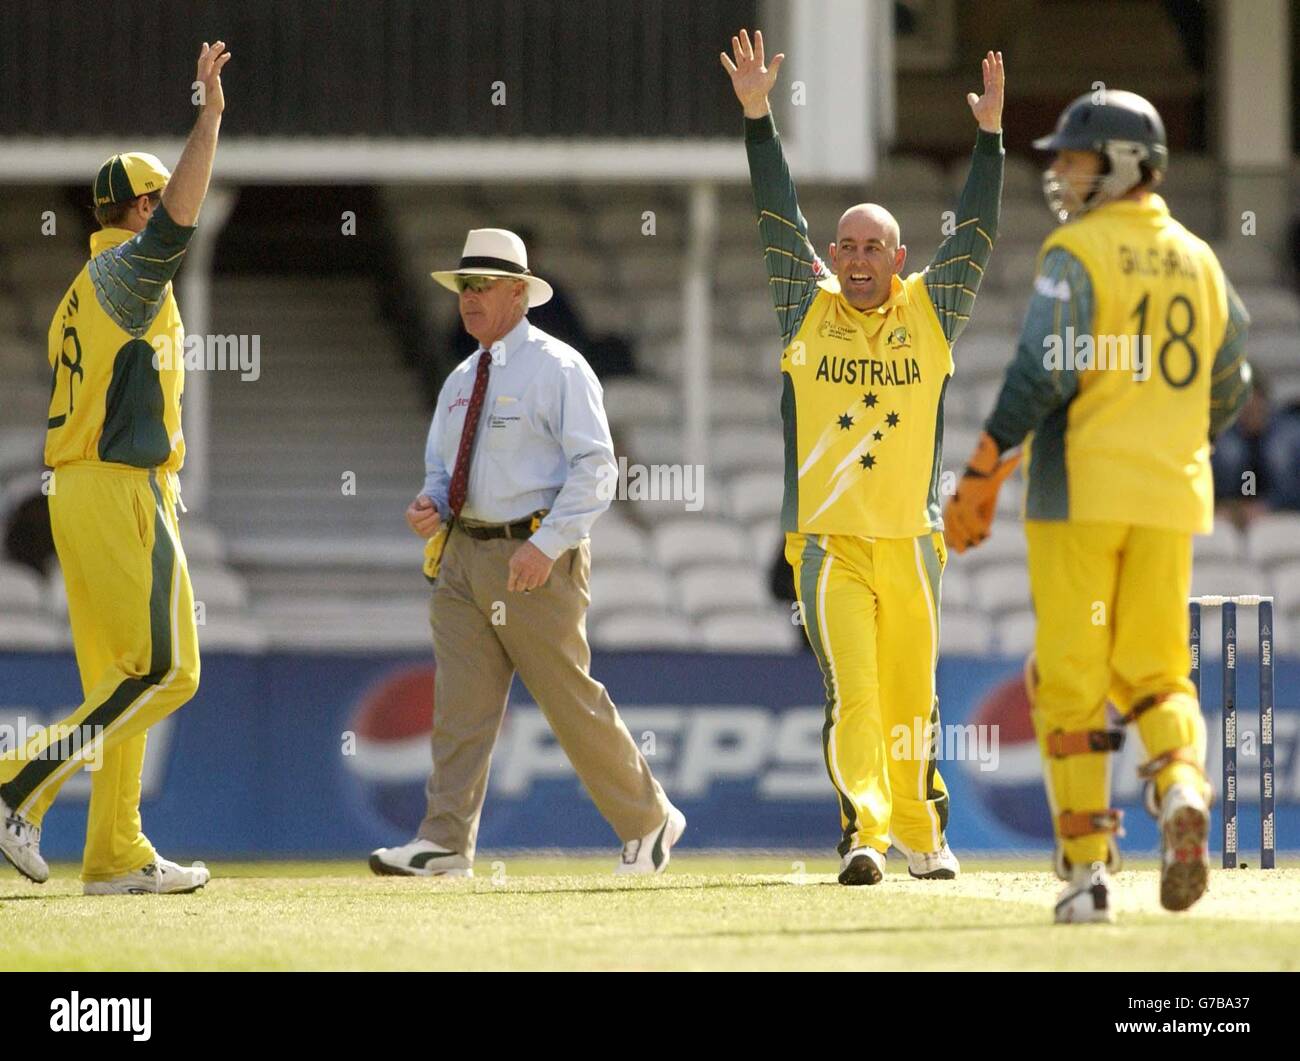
(952, 742)
(58, 742)
(211, 353)
(653, 482)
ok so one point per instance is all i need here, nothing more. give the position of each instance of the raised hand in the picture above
(751, 78)
(988, 107)
(212, 60)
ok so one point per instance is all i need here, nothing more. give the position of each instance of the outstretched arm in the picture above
(793, 267)
(131, 279)
(953, 276)
(185, 192)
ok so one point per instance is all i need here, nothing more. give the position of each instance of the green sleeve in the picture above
(1230, 381)
(131, 279)
(793, 267)
(953, 276)
(1041, 377)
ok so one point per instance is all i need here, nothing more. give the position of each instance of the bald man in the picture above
(867, 358)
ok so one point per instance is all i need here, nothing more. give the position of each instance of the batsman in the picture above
(1130, 363)
(866, 363)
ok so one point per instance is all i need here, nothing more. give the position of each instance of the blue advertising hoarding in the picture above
(326, 755)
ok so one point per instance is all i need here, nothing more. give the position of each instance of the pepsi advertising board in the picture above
(326, 755)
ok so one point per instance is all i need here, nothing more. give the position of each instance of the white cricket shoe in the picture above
(20, 843)
(1184, 847)
(420, 858)
(1086, 898)
(930, 865)
(862, 865)
(159, 877)
(650, 854)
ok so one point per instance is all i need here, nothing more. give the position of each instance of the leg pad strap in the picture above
(1148, 770)
(1072, 824)
(1146, 704)
(1061, 743)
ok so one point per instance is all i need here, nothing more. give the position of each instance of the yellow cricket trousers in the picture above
(870, 608)
(131, 610)
(1112, 624)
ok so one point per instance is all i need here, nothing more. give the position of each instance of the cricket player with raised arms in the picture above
(114, 441)
(866, 363)
(1117, 437)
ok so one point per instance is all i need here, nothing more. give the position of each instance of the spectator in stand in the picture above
(1257, 461)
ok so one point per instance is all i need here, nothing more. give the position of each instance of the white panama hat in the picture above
(496, 252)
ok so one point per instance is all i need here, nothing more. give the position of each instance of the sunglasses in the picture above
(476, 284)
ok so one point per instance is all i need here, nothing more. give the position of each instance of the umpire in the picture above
(515, 462)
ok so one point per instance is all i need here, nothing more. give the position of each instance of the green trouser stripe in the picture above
(17, 791)
(810, 568)
(933, 572)
(160, 594)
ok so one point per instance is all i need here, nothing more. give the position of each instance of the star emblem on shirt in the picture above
(869, 400)
(846, 421)
(867, 461)
(877, 436)
(892, 420)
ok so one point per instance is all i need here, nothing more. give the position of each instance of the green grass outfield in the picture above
(707, 912)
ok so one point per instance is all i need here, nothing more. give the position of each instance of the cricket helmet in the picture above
(1128, 134)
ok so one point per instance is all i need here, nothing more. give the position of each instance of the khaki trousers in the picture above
(481, 635)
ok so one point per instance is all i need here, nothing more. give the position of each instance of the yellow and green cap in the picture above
(123, 177)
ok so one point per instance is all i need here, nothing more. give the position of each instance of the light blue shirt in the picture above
(543, 440)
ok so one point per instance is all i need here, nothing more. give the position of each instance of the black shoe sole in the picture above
(381, 868)
(938, 874)
(860, 870)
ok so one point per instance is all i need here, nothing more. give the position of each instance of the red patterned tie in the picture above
(460, 476)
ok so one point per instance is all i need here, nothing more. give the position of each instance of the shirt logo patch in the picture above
(831, 330)
(898, 339)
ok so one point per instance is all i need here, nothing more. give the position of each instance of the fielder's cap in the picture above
(496, 252)
(123, 177)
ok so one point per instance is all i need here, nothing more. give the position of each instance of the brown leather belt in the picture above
(523, 528)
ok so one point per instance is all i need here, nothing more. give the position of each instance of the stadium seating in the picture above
(302, 541)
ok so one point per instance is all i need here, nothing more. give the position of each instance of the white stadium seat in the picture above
(21, 588)
(765, 537)
(624, 586)
(218, 589)
(1286, 589)
(750, 631)
(965, 632)
(955, 589)
(744, 449)
(28, 632)
(690, 542)
(1015, 633)
(629, 400)
(717, 588)
(642, 630)
(1001, 588)
(615, 540)
(202, 543)
(1274, 538)
(756, 494)
(1224, 543)
(1228, 578)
